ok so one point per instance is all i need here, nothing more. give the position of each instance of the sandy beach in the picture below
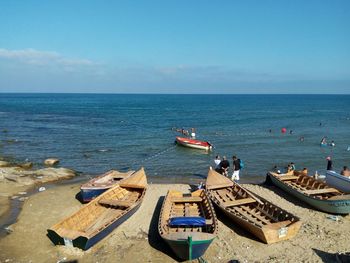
(137, 239)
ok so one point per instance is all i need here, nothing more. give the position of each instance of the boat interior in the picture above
(193, 209)
(310, 186)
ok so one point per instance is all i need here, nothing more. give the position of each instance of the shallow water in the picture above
(92, 133)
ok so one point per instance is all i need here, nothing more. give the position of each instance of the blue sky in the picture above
(182, 46)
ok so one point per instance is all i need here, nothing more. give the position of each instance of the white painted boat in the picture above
(338, 181)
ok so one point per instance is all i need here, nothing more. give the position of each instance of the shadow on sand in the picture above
(154, 239)
(328, 257)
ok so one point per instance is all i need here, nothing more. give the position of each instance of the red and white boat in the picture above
(196, 144)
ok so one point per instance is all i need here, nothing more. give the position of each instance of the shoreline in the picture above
(137, 239)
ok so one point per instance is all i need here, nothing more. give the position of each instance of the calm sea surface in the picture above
(93, 133)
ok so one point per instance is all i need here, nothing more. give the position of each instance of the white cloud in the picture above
(43, 58)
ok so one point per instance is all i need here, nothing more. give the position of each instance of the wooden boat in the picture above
(338, 181)
(262, 218)
(196, 144)
(100, 184)
(314, 192)
(187, 223)
(98, 218)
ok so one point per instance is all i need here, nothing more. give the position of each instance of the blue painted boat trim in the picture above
(85, 243)
(89, 194)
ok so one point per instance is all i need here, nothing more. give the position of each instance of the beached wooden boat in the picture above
(260, 217)
(187, 223)
(196, 144)
(314, 192)
(100, 184)
(338, 181)
(98, 218)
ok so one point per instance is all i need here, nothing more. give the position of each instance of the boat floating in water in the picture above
(102, 215)
(260, 217)
(192, 143)
(100, 184)
(314, 192)
(187, 223)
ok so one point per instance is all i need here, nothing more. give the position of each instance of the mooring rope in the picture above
(153, 156)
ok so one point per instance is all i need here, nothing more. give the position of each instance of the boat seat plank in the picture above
(321, 191)
(116, 203)
(129, 185)
(340, 197)
(239, 202)
(288, 177)
(218, 186)
(187, 199)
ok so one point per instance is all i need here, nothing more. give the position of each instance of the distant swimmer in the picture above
(323, 142)
(332, 144)
(301, 139)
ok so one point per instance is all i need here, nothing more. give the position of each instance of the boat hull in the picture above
(186, 249)
(88, 194)
(195, 144)
(329, 206)
(338, 181)
(85, 243)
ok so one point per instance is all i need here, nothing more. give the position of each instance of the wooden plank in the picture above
(239, 202)
(321, 191)
(340, 197)
(255, 214)
(287, 177)
(187, 199)
(116, 203)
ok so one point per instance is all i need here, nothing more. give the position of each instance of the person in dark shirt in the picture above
(236, 168)
(329, 163)
(224, 165)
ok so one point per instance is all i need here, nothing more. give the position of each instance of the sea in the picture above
(93, 133)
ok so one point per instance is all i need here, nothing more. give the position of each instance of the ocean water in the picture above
(92, 133)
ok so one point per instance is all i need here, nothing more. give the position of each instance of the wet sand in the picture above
(137, 240)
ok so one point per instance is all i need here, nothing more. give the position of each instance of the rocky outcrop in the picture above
(51, 161)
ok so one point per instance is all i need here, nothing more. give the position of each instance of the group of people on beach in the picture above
(222, 166)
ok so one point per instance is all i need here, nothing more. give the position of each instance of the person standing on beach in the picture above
(236, 168)
(329, 163)
(217, 162)
(223, 166)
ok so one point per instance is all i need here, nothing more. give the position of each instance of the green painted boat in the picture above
(187, 223)
(313, 192)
